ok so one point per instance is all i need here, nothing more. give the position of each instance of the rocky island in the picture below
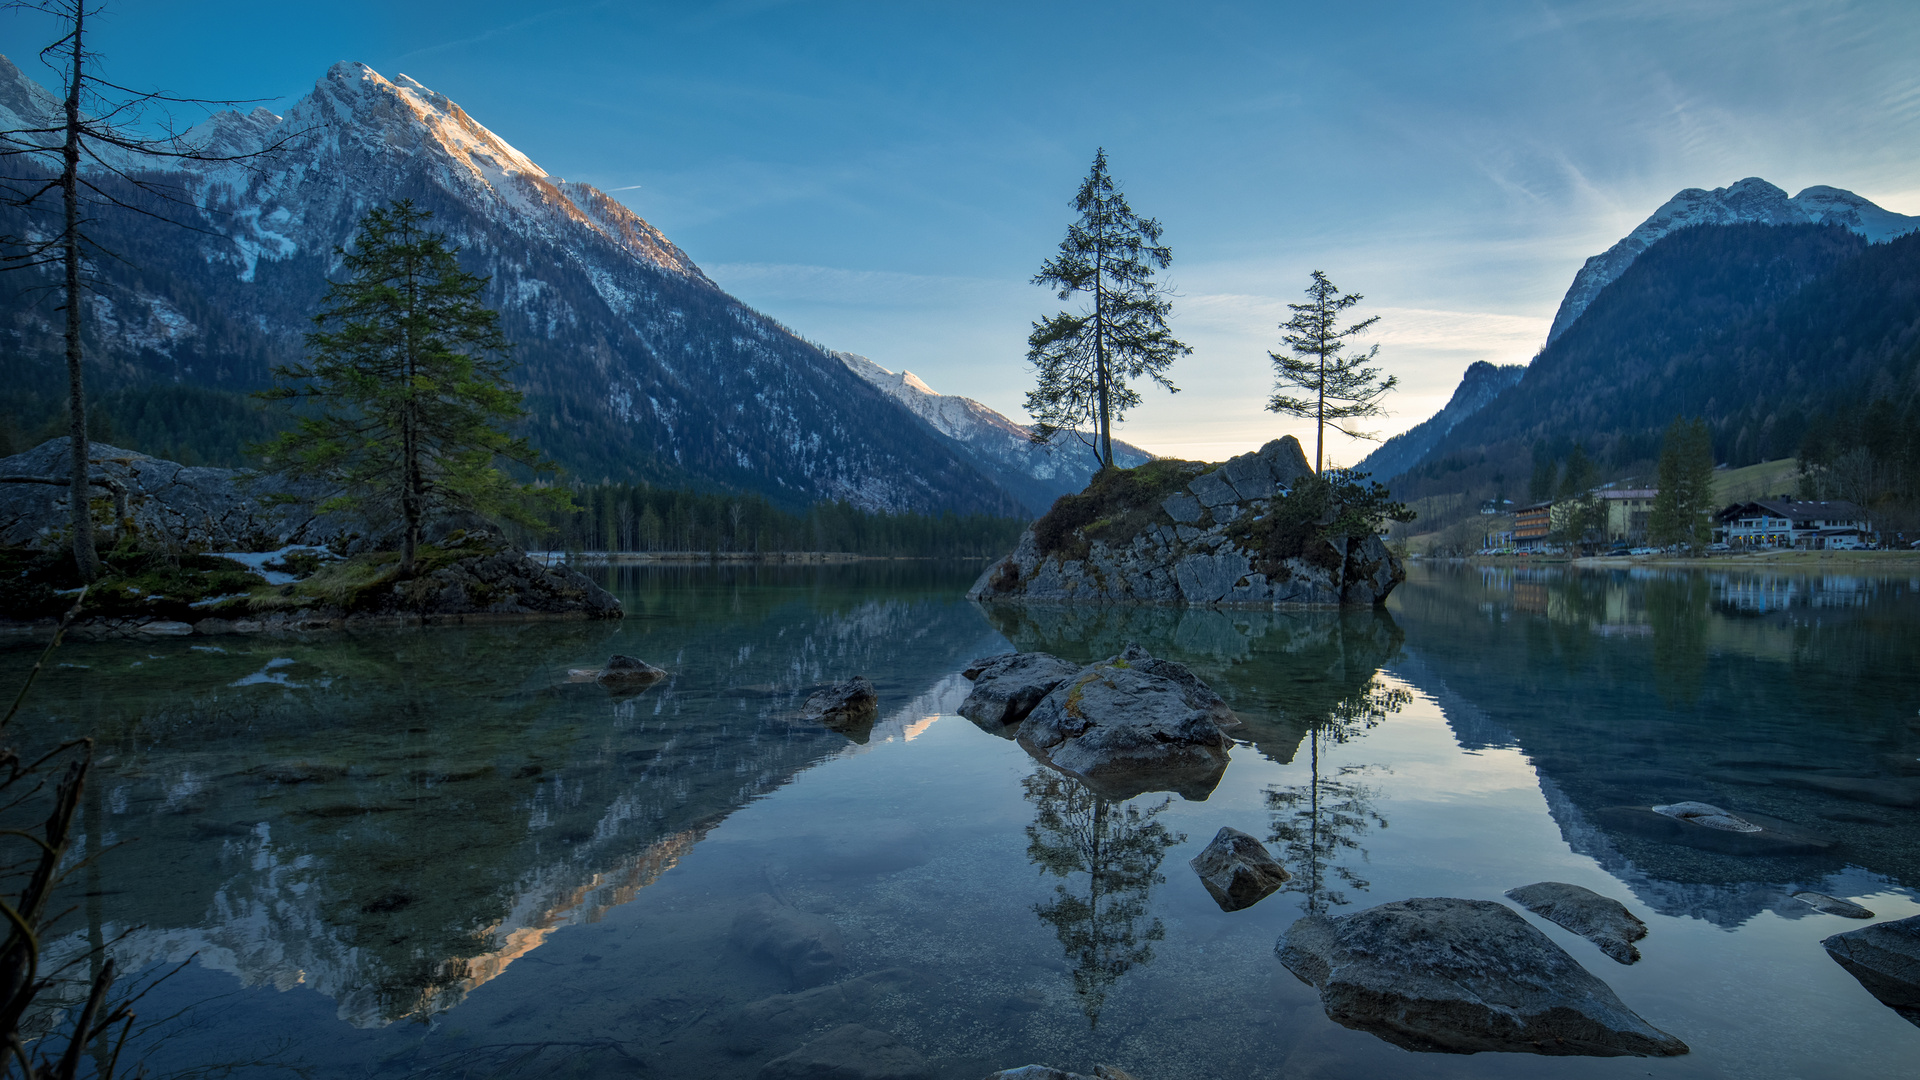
(1261, 529)
(194, 550)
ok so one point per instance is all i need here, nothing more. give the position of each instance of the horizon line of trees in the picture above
(640, 518)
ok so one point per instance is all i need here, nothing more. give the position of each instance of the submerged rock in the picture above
(807, 947)
(1832, 905)
(1707, 816)
(1713, 829)
(627, 671)
(1008, 686)
(1600, 919)
(771, 1021)
(1237, 870)
(1051, 1073)
(850, 1052)
(1174, 532)
(1462, 976)
(1885, 958)
(1133, 723)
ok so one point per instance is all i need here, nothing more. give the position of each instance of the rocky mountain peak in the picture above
(1751, 200)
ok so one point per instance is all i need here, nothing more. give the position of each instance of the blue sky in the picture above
(885, 177)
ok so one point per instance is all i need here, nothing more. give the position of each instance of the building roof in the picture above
(1796, 510)
(1628, 493)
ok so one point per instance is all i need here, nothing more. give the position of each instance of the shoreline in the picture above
(769, 558)
(1801, 560)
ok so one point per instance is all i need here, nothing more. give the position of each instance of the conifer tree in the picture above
(1338, 385)
(409, 373)
(1083, 361)
(1684, 503)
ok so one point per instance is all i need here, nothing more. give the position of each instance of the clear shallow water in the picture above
(422, 854)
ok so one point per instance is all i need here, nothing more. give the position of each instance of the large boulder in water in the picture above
(1008, 686)
(1885, 957)
(1133, 723)
(1462, 976)
(1258, 530)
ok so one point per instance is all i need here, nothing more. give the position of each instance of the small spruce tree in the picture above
(1083, 360)
(408, 371)
(1339, 387)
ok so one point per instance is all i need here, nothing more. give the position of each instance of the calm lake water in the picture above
(415, 854)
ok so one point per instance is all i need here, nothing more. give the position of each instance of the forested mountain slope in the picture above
(1762, 329)
(636, 366)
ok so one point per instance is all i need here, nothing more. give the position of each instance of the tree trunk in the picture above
(85, 560)
(1105, 453)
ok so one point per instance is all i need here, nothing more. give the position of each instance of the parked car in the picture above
(1719, 547)
(1646, 551)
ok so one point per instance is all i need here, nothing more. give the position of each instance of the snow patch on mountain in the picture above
(1003, 449)
(1752, 200)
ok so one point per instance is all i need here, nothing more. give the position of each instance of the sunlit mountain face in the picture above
(636, 366)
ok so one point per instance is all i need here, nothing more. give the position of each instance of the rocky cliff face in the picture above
(1750, 200)
(635, 365)
(998, 447)
(1180, 532)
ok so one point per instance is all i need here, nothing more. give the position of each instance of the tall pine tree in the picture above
(1083, 360)
(1683, 507)
(1338, 385)
(409, 371)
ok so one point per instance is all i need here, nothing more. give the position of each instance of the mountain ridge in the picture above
(635, 365)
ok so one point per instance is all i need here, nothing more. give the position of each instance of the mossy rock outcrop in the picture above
(1258, 531)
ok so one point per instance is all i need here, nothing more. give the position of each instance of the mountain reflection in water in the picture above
(396, 817)
(1791, 696)
(441, 827)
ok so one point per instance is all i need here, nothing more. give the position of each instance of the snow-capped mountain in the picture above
(1481, 384)
(1749, 200)
(636, 366)
(1000, 448)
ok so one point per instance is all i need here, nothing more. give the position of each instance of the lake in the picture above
(430, 853)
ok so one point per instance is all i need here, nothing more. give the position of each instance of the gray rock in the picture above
(1237, 870)
(1249, 477)
(1213, 490)
(1462, 976)
(1707, 816)
(1833, 905)
(1286, 460)
(1182, 508)
(782, 1018)
(628, 671)
(807, 947)
(1007, 687)
(1206, 579)
(849, 707)
(1885, 957)
(850, 1052)
(1600, 919)
(1133, 723)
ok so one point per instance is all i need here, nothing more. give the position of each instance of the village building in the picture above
(1793, 523)
(1627, 512)
(1531, 524)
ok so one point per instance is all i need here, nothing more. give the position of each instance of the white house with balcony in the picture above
(1794, 523)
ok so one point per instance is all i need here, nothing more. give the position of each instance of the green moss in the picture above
(133, 584)
(1116, 506)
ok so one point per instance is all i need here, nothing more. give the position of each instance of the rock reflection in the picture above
(1108, 856)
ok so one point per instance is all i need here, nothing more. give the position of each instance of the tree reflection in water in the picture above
(1316, 823)
(1100, 918)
